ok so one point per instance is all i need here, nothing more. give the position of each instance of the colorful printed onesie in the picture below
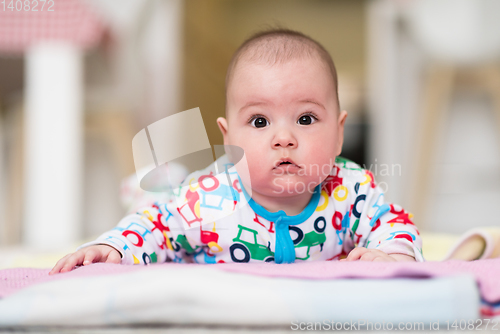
(211, 219)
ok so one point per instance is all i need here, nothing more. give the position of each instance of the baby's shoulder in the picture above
(219, 179)
(348, 174)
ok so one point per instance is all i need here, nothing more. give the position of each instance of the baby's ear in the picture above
(222, 123)
(340, 127)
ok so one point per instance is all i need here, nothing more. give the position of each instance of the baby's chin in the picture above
(291, 185)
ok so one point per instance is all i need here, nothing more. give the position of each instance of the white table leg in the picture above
(383, 90)
(54, 141)
(3, 187)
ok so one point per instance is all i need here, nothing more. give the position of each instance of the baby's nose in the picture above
(282, 144)
(284, 140)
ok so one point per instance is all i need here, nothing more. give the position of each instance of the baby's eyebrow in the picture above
(313, 101)
(259, 103)
(251, 104)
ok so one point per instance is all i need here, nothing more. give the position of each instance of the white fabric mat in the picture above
(207, 296)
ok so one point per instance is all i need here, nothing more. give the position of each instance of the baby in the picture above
(306, 203)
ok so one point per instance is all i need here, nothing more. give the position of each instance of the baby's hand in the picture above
(85, 256)
(375, 255)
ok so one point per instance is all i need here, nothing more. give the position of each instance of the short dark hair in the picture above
(278, 46)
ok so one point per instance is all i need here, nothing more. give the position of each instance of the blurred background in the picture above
(420, 81)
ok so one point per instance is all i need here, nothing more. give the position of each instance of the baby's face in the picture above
(286, 119)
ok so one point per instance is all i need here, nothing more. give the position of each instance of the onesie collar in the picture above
(281, 215)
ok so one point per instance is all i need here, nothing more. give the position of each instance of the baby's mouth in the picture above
(284, 163)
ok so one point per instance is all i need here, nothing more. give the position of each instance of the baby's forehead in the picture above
(248, 70)
(251, 89)
(249, 63)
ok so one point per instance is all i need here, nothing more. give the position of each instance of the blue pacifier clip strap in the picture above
(284, 249)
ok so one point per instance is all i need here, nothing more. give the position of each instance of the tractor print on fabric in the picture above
(402, 217)
(341, 225)
(211, 194)
(210, 238)
(160, 228)
(135, 233)
(401, 235)
(246, 247)
(347, 164)
(257, 220)
(331, 182)
(314, 238)
(190, 210)
(204, 252)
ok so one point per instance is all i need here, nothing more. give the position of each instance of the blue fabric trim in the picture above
(381, 210)
(493, 304)
(284, 251)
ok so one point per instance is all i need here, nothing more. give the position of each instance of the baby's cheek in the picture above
(255, 170)
(322, 160)
(251, 147)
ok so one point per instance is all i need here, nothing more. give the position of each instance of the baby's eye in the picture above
(306, 119)
(259, 122)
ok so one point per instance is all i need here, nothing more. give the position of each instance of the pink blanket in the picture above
(486, 272)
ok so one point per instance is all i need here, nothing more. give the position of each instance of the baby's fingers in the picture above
(73, 260)
(114, 257)
(356, 253)
(369, 256)
(57, 268)
(92, 255)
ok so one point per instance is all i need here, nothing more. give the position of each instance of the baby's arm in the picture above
(141, 238)
(381, 231)
(395, 234)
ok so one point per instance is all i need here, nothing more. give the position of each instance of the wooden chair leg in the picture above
(3, 181)
(120, 137)
(116, 129)
(15, 185)
(437, 90)
(492, 76)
